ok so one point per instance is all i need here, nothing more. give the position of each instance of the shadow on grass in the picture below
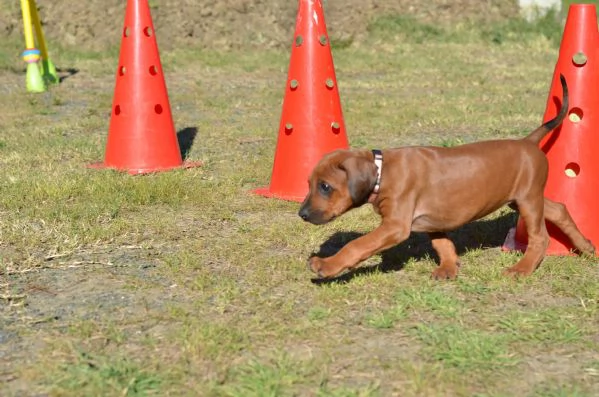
(186, 136)
(65, 73)
(487, 233)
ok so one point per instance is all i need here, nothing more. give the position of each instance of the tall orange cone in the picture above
(141, 135)
(572, 149)
(312, 121)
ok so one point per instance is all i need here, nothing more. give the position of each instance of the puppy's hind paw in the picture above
(588, 249)
(517, 272)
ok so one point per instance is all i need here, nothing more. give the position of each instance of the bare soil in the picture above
(226, 24)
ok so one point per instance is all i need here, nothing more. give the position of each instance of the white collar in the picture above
(378, 161)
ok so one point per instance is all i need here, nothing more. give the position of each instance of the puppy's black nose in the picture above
(303, 213)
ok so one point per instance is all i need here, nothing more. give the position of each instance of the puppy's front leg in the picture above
(385, 236)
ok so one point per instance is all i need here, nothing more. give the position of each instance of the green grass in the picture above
(466, 350)
(89, 375)
(185, 283)
(510, 31)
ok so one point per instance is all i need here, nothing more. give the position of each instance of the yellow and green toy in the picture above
(39, 74)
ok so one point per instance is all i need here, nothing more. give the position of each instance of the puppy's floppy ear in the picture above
(361, 178)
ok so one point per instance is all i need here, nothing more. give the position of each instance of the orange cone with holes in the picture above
(312, 121)
(141, 135)
(572, 149)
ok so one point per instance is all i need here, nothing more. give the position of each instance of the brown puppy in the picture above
(435, 190)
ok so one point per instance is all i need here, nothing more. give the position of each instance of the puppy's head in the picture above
(341, 180)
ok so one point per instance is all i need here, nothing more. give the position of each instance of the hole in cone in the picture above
(158, 109)
(117, 110)
(148, 31)
(153, 70)
(579, 59)
(335, 127)
(122, 71)
(323, 40)
(575, 115)
(126, 32)
(299, 40)
(293, 84)
(330, 83)
(288, 128)
(572, 170)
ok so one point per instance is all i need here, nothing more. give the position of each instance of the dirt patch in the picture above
(72, 292)
(227, 24)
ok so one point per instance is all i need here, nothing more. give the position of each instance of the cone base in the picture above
(266, 192)
(511, 244)
(149, 170)
(33, 79)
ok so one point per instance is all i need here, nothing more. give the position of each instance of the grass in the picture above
(102, 376)
(184, 283)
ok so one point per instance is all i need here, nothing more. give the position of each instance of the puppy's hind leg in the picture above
(557, 214)
(448, 258)
(531, 210)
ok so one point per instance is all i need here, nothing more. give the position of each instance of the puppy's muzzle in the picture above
(304, 213)
(311, 215)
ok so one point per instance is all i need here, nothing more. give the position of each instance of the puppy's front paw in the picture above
(322, 268)
(445, 273)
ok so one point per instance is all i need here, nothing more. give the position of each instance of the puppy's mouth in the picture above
(321, 221)
(315, 217)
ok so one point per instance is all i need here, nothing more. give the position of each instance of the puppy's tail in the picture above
(547, 127)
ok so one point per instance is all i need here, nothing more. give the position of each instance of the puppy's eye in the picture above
(325, 188)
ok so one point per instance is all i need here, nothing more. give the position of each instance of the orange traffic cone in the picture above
(141, 135)
(572, 148)
(312, 121)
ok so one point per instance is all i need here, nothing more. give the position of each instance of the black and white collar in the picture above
(378, 161)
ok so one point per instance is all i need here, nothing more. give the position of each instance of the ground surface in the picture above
(224, 24)
(184, 283)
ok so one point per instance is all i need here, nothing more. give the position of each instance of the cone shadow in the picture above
(66, 73)
(185, 137)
